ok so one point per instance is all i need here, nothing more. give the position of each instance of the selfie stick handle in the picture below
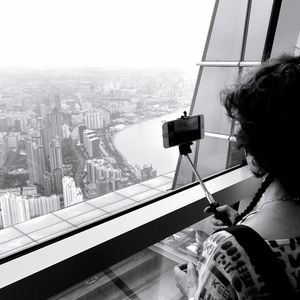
(212, 203)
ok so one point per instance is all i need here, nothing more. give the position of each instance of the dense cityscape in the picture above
(57, 132)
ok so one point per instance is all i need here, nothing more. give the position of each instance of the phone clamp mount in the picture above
(185, 150)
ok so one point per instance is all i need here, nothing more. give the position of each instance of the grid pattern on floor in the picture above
(27, 234)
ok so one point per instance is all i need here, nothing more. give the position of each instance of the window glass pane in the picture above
(215, 154)
(227, 34)
(185, 174)
(288, 28)
(257, 30)
(146, 275)
(213, 81)
(82, 106)
(212, 158)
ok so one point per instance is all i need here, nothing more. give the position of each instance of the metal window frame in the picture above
(270, 36)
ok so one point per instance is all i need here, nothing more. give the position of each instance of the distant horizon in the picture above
(107, 34)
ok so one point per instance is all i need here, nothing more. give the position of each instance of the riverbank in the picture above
(141, 144)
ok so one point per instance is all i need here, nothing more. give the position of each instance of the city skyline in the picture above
(57, 135)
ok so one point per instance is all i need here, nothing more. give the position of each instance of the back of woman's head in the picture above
(267, 106)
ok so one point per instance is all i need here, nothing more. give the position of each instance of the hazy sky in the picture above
(107, 33)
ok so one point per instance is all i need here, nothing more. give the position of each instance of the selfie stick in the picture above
(185, 149)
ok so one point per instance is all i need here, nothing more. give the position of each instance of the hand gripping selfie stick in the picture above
(185, 149)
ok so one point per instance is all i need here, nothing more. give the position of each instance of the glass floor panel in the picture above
(146, 275)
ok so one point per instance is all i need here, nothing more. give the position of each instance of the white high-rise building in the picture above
(72, 195)
(15, 209)
(43, 205)
(94, 120)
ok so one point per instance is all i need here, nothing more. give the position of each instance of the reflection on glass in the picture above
(213, 156)
(227, 34)
(213, 81)
(257, 30)
(146, 275)
(287, 30)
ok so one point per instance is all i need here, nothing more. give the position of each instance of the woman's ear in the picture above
(253, 166)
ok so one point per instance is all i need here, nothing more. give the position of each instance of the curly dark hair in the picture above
(266, 104)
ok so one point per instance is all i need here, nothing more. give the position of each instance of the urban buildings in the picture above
(43, 205)
(46, 136)
(98, 119)
(71, 193)
(15, 209)
(102, 176)
(19, 208)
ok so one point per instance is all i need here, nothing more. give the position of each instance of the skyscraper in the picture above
(35, 160)
(56, 120)
(47, 183)
(55, 154)
(47, 133)
(72, 195)
(57, 181)
(94, 120)
(15, 209)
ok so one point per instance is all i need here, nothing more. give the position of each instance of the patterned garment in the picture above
(225, 271)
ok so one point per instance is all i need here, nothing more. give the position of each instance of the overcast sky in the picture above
(103, 33)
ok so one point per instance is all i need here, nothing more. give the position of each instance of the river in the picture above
(142, 144)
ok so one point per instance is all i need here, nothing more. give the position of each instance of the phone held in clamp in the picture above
(182, 132)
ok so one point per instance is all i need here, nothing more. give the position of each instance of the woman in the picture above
(266, 107)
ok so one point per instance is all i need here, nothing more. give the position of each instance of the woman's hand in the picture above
(226, 209)
(187, 280)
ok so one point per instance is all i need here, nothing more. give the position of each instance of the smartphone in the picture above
(183, 130)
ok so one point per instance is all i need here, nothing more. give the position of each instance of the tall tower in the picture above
(35, 160)
(15, 209)
(47, 183)
(55, 154)
(47, 133)
(57, 181)
(56, 120)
